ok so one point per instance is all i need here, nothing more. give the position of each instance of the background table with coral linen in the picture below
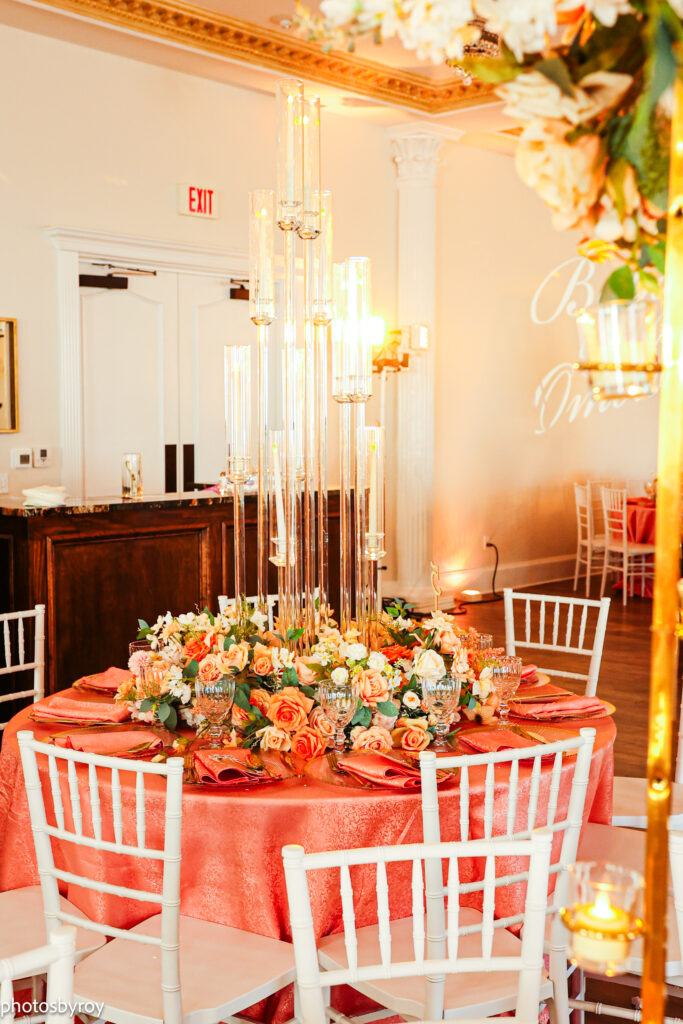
(641, 515)
(232, 839)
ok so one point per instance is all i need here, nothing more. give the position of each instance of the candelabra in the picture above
(292, 455)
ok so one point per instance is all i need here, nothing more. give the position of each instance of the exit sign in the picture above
(197, 201)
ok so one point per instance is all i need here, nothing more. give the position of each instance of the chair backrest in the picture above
(224, 603)
(614, 512)
(56, 959)
(72, 774)
(595, 494)
(584, 513)
(15, 661)
(453, 960)
(581, 634)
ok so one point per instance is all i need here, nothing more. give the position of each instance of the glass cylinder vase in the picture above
(620, 348)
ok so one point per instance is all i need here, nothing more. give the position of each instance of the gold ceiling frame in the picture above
(184, 23)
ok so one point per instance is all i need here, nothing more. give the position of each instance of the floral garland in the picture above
(276, 704)
(592, 85)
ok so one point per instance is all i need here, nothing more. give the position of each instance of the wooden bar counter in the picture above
(99, 565)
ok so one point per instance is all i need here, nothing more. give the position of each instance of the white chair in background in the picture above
(621, 554)
(472, 968)
(17, 665)
(56, 960)
(224, 602)
(588, 541)
(520, 820)
(560, 635)
(137, 976)
(595, 495)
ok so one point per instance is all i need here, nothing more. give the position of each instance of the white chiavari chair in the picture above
(510, 817)
(56, 960)
(224, 602)
(544, 630)
(622, 555)
(224, 970)
(15, 660)
(588, 541)
(472, 965)
(595, 495)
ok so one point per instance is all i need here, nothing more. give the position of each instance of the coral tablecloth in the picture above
(640, 527)
(232, 840)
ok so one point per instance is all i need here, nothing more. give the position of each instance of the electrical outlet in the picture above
(42, 457)
(4, 483)
(485, 542)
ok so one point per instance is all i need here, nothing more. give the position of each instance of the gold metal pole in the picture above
(663, 666)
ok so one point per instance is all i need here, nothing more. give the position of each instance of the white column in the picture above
(416, 155)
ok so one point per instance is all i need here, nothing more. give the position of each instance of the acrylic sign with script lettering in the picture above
(562, 393)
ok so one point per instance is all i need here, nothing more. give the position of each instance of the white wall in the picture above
(503, 469)
(99, 142)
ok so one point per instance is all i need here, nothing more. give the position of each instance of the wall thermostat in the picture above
(21, 458)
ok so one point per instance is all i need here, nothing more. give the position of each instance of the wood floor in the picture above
(624, 675)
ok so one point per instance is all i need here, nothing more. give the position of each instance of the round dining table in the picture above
(232, 838)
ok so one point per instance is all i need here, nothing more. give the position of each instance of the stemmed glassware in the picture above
(441, 698)
(476, 641)
(339, 702)
(213, 701)
(507, 675)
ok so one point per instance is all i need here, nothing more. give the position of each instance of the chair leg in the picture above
(576, 567)
(589, 566)
(624, 589)
(604, 574)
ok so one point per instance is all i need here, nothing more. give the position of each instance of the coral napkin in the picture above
(382, 770)
(119, 742)
(228, 768)
(57, 707)
(489, 740)
(574, 707)
(108, 681)
(529, 673)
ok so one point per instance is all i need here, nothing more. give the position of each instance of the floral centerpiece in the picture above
(276, 704)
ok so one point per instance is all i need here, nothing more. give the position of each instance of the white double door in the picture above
(153, 376)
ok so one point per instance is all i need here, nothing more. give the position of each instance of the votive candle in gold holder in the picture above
(603, 915)
(620, 348)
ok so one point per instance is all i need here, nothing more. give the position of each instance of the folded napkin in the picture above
(119, 742)
(108, 681)
(228, 768)
(487, 741)
(573, 707)
(382, 770)
(45, 496)
(58, 707)
(529, 673)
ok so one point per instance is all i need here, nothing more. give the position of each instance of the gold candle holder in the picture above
(603, 916)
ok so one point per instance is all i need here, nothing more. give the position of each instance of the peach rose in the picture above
(232, 739)
(448, 641)
(262, 662)
(260, 699)
(375, 738)
(373, 688)
(413, 735)
(240, 717)
(236, 657)
(307, 677)
(319, 721)
(307, 743)
(274, 739)
(196, 650)
(209, 669)
(288, 709)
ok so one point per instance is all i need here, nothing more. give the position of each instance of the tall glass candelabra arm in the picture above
(238, 430)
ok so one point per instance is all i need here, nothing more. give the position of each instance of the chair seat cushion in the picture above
(22, 912)
(632, 548)
(467, 995)
(222, 971)
(629, 807)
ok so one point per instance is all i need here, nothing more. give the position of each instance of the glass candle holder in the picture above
(238, 410)
(261, 256)
(374, 481)
(352, 332)
(323, 285)
(310, 216)
(278, 533)
(620, 348)
(289, 100)
(131, 478)
(603, 915)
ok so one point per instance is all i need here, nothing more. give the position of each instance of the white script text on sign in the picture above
(197, 201)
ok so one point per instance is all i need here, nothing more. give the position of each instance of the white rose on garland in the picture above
(429, 665)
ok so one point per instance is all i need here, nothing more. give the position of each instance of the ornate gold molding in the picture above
(211, 32)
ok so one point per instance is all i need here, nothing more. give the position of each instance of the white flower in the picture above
(460, 662)
(377, 660)
(411, 699)
(258, 619)
(607, 11)
(523, 24)
(532, 95)
(481, 687)
(190, 718)
(339, 676)
(429, 665)
(283, 658)
(402, 623)
(181, 690)
(352, 652)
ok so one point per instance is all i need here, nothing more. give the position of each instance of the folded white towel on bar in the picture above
(45, 496)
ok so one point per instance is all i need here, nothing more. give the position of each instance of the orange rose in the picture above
(236, 657)
(288, 709)
(209, 669)
(375, 738)
(373, 688)
(448, 641)
(307, 743)
(394, 652)
(260, 699)
(196, 650)
(262, 662)
(307, 677)
(319, 721)
(274, 739)
(412, 736)
(240, 717)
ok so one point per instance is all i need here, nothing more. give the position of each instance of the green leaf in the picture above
(555, 69)
(472, 703)
(142, 624)
(294, 634)
(172, 718)
(242, 699)
(289, 676)
(191, 669)
(143, 633)
(653, 256)
(308, 690)
(388, 708)
(363, 716)
(649, 281)
(228, 643)
(164, 711)
(619, 285)
(147, 704)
